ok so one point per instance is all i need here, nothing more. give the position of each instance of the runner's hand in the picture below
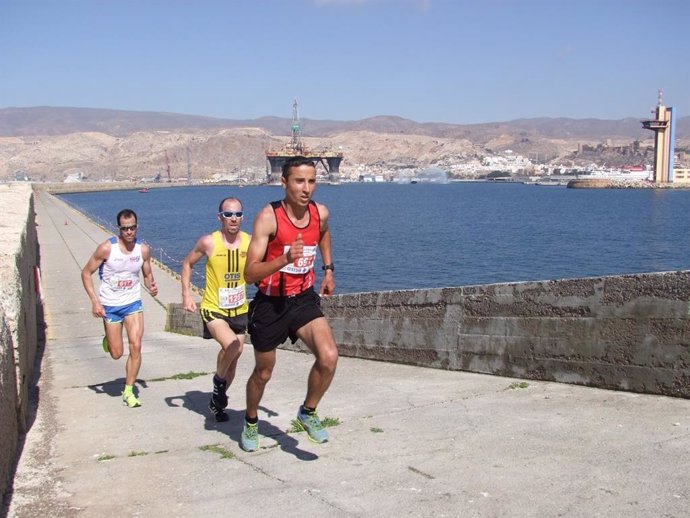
(327, 285)
(189, 304)
(97, 310)
(296, 250)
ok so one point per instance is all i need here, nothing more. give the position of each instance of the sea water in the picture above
(393, 237)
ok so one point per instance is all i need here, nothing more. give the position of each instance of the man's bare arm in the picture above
(328, 282)
(147, 271)
(201, 248)
(101, 254)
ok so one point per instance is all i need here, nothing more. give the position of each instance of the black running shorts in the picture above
(273, 319)
(238, 324)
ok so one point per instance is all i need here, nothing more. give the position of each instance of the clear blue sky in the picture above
(456, 61)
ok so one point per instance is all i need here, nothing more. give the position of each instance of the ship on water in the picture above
(330, 160)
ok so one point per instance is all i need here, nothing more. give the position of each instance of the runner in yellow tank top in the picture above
(224, 304)
(225, 291)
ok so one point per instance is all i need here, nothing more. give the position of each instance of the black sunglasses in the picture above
(130, 227)
(227, 214)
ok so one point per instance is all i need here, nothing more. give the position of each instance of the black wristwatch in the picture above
(330, 267)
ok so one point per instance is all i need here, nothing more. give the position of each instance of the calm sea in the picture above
(391, 237)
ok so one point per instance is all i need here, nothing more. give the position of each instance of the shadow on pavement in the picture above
(197, 401)
(114, 388)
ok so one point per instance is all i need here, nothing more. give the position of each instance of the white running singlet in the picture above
(119, 275)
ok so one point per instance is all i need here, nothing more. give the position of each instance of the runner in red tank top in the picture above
(280, 259)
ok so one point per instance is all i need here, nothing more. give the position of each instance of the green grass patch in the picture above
(518, 385)
(327, 422)
(217, 448)
(374, 429)
(182, 376)
(137, 453)
(330, 421)
(103, 458)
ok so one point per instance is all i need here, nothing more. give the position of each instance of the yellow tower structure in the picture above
(663, 125)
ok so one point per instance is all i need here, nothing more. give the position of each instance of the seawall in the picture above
(21, 319)
(628, 332)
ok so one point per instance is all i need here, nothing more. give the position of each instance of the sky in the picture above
(453, 61)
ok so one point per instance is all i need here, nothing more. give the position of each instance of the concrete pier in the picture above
(411, 441)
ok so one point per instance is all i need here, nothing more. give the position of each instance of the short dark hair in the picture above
(220, 205)
(126, 213)
(296, 161)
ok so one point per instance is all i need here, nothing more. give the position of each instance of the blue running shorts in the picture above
(116, 314)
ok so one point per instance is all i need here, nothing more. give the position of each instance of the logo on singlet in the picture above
(231, 276)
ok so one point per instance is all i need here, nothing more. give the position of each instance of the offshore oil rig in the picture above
(330, 160)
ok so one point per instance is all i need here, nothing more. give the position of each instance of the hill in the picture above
(50, 143)
(17, 122)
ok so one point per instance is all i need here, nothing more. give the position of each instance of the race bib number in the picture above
(303, 264)
(231, 298)
(121, 283)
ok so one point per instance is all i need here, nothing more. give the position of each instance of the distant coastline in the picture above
(600, 183)
(84, 187)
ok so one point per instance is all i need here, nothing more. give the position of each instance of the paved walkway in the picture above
(411, 441)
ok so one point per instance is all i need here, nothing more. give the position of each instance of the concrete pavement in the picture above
(410, 441)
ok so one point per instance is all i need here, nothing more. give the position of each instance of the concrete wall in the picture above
(20, 312)
(623, 332)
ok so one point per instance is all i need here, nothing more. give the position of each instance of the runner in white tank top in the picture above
(119, 261)
(119, 275)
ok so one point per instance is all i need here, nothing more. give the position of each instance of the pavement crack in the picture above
(419, 472)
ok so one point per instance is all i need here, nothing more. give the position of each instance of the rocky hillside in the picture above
(48, 144)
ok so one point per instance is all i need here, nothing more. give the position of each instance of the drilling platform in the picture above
(330, 160)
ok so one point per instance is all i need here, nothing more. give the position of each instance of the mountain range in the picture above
(51, 142)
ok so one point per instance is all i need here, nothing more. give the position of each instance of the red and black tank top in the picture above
(298, 276)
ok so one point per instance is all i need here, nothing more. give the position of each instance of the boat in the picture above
(144, 190)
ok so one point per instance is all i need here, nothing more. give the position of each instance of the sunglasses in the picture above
(227, 214)
(130, 227)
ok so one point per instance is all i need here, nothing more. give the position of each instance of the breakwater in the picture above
(629, 332)
(600, 183)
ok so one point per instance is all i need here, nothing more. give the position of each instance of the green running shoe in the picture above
(249, 440)
(106, 346)
(130, 400)
(311, 424)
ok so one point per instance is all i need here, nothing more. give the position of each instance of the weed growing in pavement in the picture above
(518, 384)
(137, 453)
(217, 448)
(182, 376)
(326, 422)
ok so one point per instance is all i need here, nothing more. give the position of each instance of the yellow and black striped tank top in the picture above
(226, 292)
